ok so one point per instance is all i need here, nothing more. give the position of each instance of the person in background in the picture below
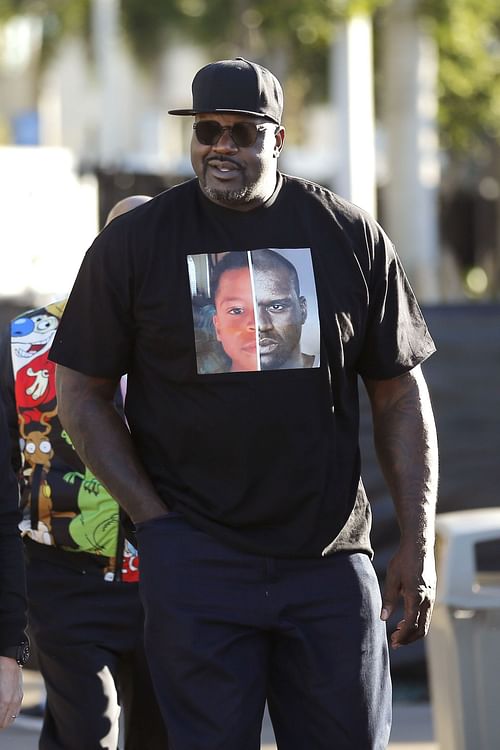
(14, 644)
(252, 522)
(85, 614)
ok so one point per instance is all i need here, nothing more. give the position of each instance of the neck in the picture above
(298, 360)
(244, 199)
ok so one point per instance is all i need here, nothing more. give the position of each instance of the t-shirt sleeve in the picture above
(95, 333)
(396, 338)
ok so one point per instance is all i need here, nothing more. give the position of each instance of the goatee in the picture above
(229, 197)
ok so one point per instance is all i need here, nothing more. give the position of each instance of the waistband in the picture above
(81, 561)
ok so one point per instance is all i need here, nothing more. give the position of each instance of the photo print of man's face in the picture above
(254, 310)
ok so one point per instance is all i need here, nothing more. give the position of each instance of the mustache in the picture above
(222, 159)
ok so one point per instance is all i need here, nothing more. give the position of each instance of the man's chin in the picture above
(227, 197)
(276, 362)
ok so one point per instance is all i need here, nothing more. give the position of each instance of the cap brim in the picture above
(181, 112)
(222, 111)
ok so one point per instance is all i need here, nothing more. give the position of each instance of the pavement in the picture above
(412, 724)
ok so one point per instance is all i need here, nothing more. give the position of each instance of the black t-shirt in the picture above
(253, 440)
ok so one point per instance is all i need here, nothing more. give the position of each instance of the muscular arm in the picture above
(406, 445)
(103, 442)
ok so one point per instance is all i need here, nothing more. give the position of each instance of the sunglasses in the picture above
(243, 134)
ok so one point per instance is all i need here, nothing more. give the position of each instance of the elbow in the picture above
(79, 396)
(63, 388)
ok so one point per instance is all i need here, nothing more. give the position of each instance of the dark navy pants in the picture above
(225, 630)
(89, 638)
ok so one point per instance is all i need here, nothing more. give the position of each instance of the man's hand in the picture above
(11, 690)
(411, 575)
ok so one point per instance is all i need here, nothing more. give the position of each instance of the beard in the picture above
(229, 197)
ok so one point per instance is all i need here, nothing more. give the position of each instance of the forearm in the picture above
(406, 445)
(103, 442)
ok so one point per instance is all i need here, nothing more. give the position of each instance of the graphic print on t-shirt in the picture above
(254, 310)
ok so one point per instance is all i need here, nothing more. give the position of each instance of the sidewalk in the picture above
(412, 725)
(411, 729)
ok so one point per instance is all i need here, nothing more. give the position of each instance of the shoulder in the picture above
(137, 226)
(339, 207)
(353, 221)
(155, 207)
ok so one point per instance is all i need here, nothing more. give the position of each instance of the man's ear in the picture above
(279, 135)
(303, 308)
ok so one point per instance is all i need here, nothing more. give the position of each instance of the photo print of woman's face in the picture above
(254, 310)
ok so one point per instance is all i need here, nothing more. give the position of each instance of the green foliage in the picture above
(5, 9)
(293, 37)
(60, 18)
(69, 17)
(241, 27)
(468, 37)
(301, 24)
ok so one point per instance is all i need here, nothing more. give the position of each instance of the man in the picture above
(264, 285)
(84, 609)
(14, 648)
(282, 312)
(252, 521)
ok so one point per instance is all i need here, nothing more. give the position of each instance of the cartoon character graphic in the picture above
(130, 563)
(63, 503)
(31, 339)
(34, 377)
(37, 451)
(35, 443)
(95, 528)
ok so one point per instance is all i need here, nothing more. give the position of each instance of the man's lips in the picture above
(267, 345)
(223, 168)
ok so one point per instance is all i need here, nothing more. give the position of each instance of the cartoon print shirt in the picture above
(64, 505)
(244, 334)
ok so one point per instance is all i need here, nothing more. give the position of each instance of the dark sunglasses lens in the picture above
(244, 134)
(208, 133)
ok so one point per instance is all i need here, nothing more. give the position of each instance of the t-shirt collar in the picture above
(263, 207)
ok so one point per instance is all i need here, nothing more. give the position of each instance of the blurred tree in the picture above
(468, 37)
(293, 37)
(299, 31)
(60, 18)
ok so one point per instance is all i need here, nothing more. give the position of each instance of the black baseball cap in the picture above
(238, 86)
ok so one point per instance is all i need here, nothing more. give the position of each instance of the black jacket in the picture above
(12, 576)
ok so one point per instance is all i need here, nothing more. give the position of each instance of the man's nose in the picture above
(225, 142)
(250, 322)
(265, 322)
